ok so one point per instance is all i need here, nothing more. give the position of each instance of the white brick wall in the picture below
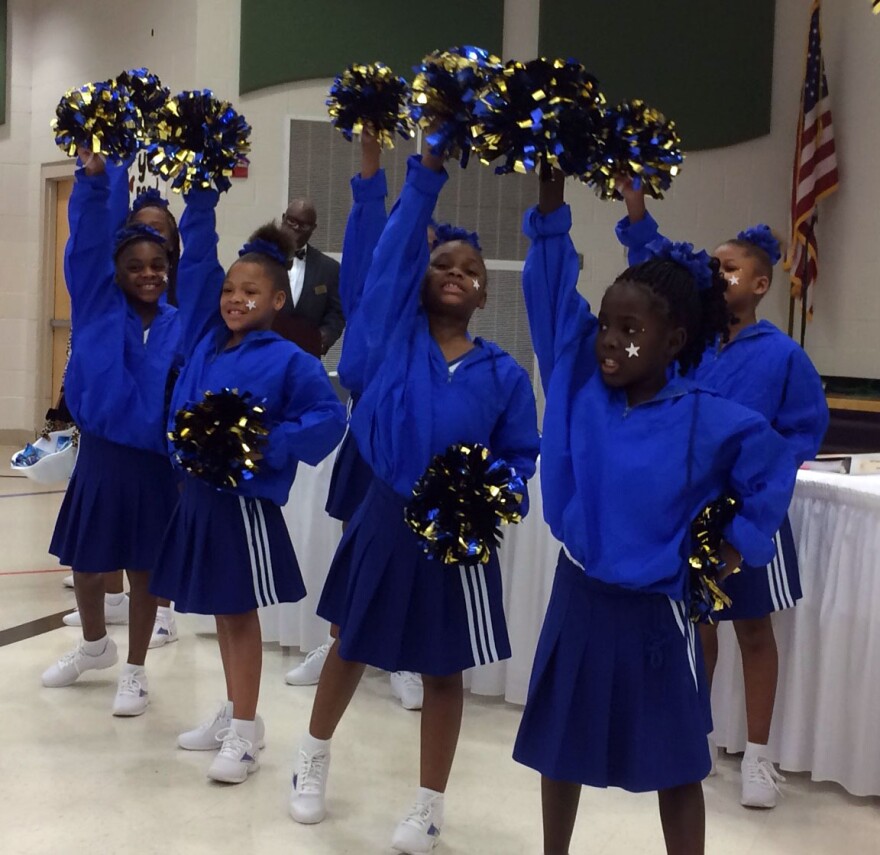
(194, 43)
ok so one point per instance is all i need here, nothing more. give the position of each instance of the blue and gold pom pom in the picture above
(198, 140)
(707, 534)
(147, 94)
(444, 93)
(372, 98)
(636, 141)
(460, 501)
(220, 439)
(101, 117)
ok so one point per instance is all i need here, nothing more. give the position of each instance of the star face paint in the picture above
(251, 305)
(632, 351)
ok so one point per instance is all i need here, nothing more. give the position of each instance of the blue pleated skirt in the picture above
(116, 508)
(618, 694)
(401, 611)
(225, 554)
(349, 480)
(759, 591)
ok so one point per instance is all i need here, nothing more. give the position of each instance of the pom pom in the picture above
(133, 232)
(446, 232)
(221, 438)
(518, 113)
(371, 98)
(636, 141)
(147, 94)
(198, 141)
(150, 198)
(444, 94)
(764, 239)
(707, 533)
(264, 247)
(101, 117)
(698, 264)
(459, 502)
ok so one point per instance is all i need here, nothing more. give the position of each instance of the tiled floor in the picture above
(75, 780)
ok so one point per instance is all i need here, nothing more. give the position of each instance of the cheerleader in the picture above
(427, 385)
(227, 551)
(630, 455)
(122, 491)
(761, 368)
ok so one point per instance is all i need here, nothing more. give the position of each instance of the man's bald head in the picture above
(300, 220)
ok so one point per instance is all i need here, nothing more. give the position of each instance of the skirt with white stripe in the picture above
(759, 591)
(225, 554)
(618, 694)
(116, 508)
(400, 611)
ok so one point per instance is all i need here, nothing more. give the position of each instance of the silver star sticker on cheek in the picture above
(476, 284)
(733, 279)
(251, 305)
(632, 350)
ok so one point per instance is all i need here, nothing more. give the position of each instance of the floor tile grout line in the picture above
(34, 572)
(32, 628)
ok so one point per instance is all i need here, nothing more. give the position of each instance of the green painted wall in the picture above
(4, 75)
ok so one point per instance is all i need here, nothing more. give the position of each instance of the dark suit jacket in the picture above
(319, 302)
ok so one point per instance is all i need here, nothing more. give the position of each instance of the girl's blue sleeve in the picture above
(515, 438)
(392, 291)
(763, 478)
(118, 205)
(88, 256)
(558, 314)
(803, 416)
(636, 237)
(200, 275)
(366, 221)
(313, 421)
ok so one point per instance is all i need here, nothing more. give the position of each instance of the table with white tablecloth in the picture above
(828, 702)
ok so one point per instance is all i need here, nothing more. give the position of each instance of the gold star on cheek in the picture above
(632, 350)
(251, 305)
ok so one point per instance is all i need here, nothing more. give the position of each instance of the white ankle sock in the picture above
(114, 599)
(425, 795)
(330, 640)
(755, 751)
(311, 745)
(245, 729)
(128, 668)
(95, 648)
(165, 610)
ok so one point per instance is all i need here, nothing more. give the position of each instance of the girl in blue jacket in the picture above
(227, 551)
(122, 491)
(630, 456)
(427, 384)
(762, 368)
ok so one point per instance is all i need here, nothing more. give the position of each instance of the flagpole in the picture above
(790, 316)
(804, 303)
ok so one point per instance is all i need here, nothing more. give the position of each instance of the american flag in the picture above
(815, 168)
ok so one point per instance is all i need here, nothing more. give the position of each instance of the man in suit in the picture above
(312, 315)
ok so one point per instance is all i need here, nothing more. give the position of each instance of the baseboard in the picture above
(16, 437)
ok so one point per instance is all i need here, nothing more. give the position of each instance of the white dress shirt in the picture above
(296, 275)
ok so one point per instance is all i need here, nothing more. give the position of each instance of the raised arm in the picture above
(392, 290)
(558, 314)
(803, 416)
(119, 194)
(88, 256)
(200, 275)
(638, 228)
(314, 419)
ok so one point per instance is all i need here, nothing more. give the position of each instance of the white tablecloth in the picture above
(828, 701)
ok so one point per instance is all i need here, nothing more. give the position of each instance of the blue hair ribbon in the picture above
(264, 247)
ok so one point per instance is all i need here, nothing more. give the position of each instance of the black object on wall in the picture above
(706, 65)
(287, 40)
(3, 61)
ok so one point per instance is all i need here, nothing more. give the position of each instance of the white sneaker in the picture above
(419, 833)
(132, 694)
(204, 737)
(407, 687)
(114, 613)
(308, 672)
(309, 788)
(67, 581)
(713, 754)
(236, 759)
(759, 783)
(68, 668)
(164, 629)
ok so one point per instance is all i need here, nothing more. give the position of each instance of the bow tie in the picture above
(300, 254)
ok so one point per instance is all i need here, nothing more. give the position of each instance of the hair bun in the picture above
(761, 237)
(698, 264)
